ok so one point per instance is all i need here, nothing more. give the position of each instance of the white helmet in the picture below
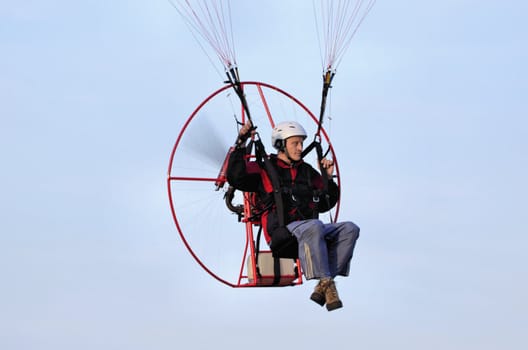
(284, 130)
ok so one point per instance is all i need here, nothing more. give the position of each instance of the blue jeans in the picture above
(325, 250)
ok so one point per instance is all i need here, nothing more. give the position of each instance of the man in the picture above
(325, 250)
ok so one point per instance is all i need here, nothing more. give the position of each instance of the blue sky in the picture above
(429, 121)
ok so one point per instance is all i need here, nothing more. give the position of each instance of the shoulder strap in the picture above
(263, 159)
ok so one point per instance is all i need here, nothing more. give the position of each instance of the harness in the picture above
(283, 244)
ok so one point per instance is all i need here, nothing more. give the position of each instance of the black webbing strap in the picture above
(249, 148)
(324, 174)
(276, 261)
(276, 271)
(320, 156)
(309, 148)
(264, 161)
(257, 250)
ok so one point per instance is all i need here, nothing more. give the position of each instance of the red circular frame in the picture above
(173, 177)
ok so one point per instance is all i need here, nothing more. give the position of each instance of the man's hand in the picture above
(328, 165)
(245, 132)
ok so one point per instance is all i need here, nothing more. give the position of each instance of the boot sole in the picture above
(318, 298)
(335, 305)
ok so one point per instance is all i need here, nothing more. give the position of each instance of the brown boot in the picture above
(319, 292)
(332, 298)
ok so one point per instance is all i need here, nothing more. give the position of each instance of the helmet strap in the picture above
(285, 151)
(283, 147)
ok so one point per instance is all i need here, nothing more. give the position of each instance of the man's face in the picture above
(294, 147)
